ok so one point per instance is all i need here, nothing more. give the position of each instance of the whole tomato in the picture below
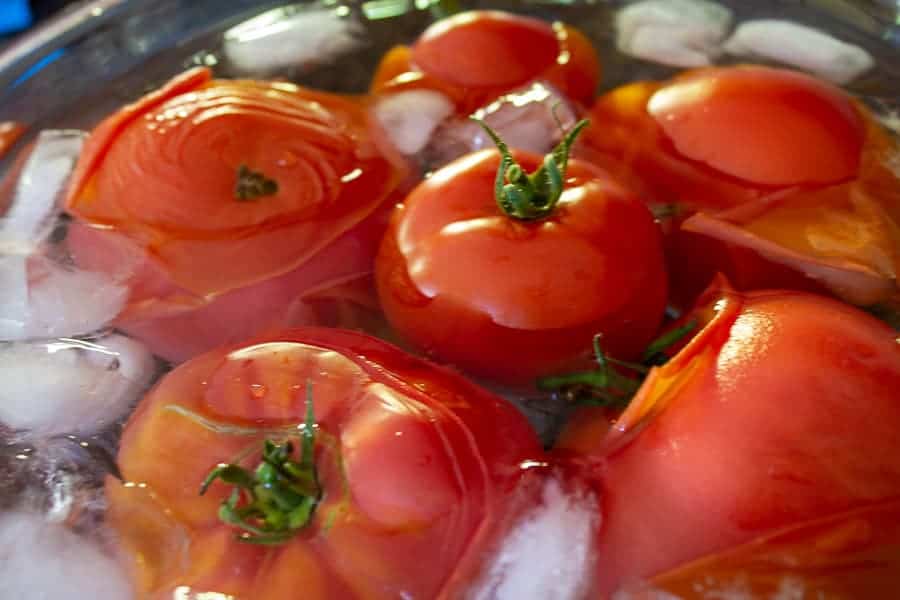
(783, 409)
(476, 56)
(487, 268)
(209, 187)
(775, 162)
(408, 474)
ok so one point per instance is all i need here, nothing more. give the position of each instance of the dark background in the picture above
(41, 9)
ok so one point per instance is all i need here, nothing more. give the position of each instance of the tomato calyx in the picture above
(614, 382)
(278, 499)
(252, 185)
(531, 196)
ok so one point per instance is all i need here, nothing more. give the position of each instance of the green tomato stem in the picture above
(531, 196)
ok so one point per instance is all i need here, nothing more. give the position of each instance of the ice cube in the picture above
(678, 33)
(410, 117)
(40, 184)
(65, 302)
(533, 118)
(290, 37)
(801, 47)
(41, 560)
(71, 386)
(549, 553)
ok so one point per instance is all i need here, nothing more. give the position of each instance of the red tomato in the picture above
(735, 143)
(511, 299)
(714, 138)
(782, 409)
(853, 555)
(473, 57)
(418, 470)
(164, 178)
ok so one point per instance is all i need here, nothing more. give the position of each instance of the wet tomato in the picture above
(511, 297)
(415, 472)
(213, 187)
(760, 153)
(474, 57)
(852, 555)
(782, 409)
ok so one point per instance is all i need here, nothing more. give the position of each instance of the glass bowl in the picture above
(81, 65)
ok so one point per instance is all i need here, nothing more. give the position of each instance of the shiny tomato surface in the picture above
(782, 409)
(159, 183)
(714, 138)
(512, 299)
(474, 57)
(419, 471)
(786, 172)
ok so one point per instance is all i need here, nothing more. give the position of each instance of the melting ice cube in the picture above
(678, 33)
(71, 386)
(40, 560)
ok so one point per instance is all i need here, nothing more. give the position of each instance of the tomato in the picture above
(419, 472)
(782, 409)
(772, 149)
(714, 138)
(513, 299)
(854, 554)
(213, 187)
(474, 57)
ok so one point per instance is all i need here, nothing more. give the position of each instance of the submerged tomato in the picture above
(418, 470)
(853, 555)
(782, 409)
(473, 57)
(512, 299)
(786, 171)
(213, 186)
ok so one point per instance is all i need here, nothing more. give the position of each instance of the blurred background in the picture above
(18, 15)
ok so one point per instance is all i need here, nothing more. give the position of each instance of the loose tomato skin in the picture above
(474, 57)
(782, 409)
(510, 299)
(418, 467)
(716, 137)
(157, 183)
(739, 153)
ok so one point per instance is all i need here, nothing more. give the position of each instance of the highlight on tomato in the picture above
(475, 56)
(330, 462)
(774, 162)
(780, 412)
(217, 198)
(509, 275)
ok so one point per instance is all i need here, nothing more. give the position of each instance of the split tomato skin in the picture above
(512, 300)
(717, 137)
(159, 183)
(417, 466)
(474, 57)
(782, 410)
(777, 176)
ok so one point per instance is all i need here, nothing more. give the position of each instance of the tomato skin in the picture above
(512, 300)
(157, 181)
(418, 466)
(716, 137)
(782, 409)
(748, 149)
(474, 57)
(853, 555)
